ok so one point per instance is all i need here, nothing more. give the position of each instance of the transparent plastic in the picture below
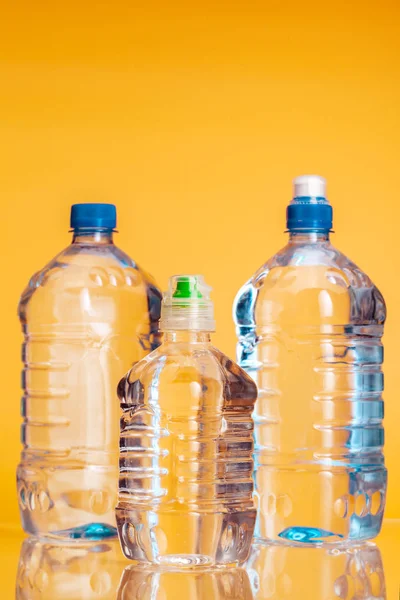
(187, 305)
(309, 325)
(86, 317)
(185, 488)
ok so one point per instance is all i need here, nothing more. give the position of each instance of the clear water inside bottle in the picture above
(86, 317)
(309, 326)
(185, 487)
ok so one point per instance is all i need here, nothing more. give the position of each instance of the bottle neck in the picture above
(93, 236)
(188, 337)
(308, 237)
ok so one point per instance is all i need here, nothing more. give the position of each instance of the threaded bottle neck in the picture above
(308, 237)
(188, 337)
(92, 236)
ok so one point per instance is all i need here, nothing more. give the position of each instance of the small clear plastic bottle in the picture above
(87, 316)
(310, 324)
(185, 487)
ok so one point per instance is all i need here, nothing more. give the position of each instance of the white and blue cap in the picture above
(309, 210)
(93, 216)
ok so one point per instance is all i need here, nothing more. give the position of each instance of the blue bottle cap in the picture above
(309, 210)
(93, 216)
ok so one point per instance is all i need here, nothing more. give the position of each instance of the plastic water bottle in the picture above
(86, 317)
(309, 324)
(185, 487)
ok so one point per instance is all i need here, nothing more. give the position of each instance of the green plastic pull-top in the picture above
(187, 305)
(186, 287)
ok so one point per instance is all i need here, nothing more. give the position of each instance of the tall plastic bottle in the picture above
(309, 324)
(86, 317)
(185, 488)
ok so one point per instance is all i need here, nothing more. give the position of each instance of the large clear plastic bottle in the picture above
(309, 324)
(185, 488)
(86, 317)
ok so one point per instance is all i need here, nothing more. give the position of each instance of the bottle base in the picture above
(182, 561)
(335, 542)
(312, 537)
(91, 532)
(67, 502)
(185, 539)
(342, 507)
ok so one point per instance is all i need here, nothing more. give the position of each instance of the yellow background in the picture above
(193, 117)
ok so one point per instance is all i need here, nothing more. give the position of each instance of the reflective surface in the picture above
(68, 571)
(276, 572)
(141, 583)
(32, 569)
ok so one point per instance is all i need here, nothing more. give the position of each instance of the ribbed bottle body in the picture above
(185, 492)
(309, 327)
(86, 318)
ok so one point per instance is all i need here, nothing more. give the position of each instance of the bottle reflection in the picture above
(98, 571)
(69, 571)
(290, 573)
(152, 583)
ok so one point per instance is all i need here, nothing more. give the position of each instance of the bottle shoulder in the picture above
(182, 365)
(312, 255)
(298, 268)
(100, 268)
